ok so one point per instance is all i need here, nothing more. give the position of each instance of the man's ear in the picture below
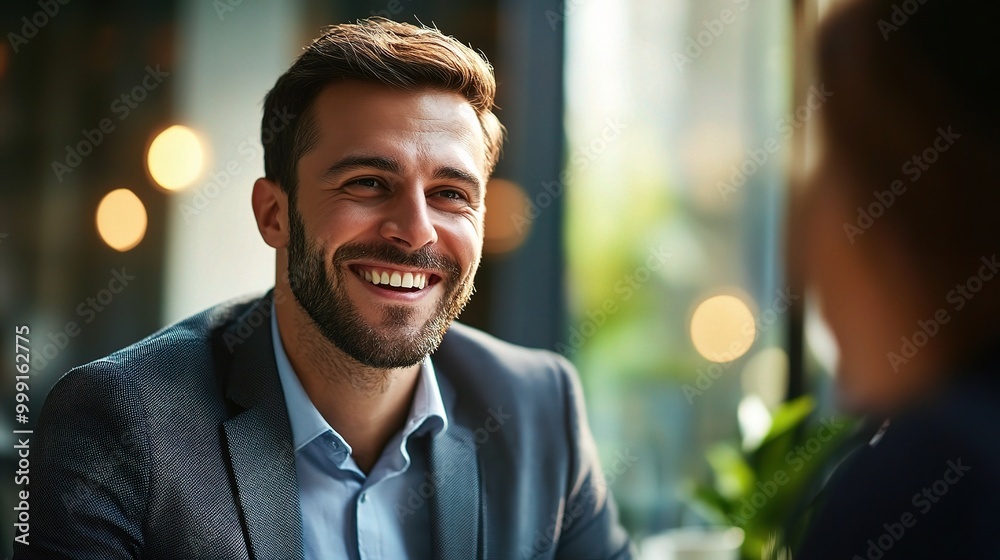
(270, 208)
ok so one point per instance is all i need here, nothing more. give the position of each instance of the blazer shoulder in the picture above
(477, 363)
(934, 464)
(170, 351)
(475, 346)
(964, 418)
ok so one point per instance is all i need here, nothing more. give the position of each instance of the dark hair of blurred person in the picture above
(899, 236)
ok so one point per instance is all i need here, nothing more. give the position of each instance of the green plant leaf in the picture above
(710, 503)
(733, 476)
(789, 416)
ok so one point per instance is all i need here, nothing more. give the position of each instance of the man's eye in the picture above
(369, 182)
(451, 194)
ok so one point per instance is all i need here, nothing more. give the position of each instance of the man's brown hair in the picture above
(399, 55)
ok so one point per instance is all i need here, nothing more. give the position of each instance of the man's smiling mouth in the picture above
(403, 280)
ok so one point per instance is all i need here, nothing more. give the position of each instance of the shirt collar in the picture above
(427, 411)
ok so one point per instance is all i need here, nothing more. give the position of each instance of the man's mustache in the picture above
(390, 254)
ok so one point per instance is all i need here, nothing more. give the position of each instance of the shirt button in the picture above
(364, 496)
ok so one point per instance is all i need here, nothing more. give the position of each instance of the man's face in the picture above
(386, 227)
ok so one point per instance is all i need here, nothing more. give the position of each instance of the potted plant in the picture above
(760, 483)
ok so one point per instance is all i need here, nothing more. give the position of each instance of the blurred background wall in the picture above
(635, 222)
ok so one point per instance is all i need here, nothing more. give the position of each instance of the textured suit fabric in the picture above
(180, 447)
(927, 489)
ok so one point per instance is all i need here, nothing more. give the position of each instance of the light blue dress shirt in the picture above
(346, 514)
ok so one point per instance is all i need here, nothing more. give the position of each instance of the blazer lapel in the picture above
(457, 506)
(259, 441)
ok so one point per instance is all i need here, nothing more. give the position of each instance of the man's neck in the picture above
(366, 406)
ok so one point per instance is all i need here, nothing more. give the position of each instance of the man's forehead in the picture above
(372, 117)
(354, 100)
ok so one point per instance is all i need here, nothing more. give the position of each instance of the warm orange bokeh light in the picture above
(175, 158)
(507, 216)
(121, 219)
(722, 328)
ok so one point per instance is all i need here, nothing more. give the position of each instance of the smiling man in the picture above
(343, 414)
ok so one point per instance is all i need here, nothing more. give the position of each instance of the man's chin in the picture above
(394, 347)
(398, 334)
(399, 326)
(395, 320)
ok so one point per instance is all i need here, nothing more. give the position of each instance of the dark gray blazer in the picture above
(179, 447)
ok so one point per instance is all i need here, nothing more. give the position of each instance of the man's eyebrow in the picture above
(391, 165)
(355, 162)
(456, 174)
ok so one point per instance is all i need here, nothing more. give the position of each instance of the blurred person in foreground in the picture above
(342, 414)
(901, 241)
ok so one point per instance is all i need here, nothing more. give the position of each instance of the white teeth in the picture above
(394, 278)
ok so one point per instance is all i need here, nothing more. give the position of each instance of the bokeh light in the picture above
(722, 328)
(766, 375)
(175, 158)
(711, 157)
(508, 218)
(121, 219)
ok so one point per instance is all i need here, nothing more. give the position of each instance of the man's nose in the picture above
(408, 221)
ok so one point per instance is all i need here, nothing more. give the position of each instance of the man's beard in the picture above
(329, 305)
